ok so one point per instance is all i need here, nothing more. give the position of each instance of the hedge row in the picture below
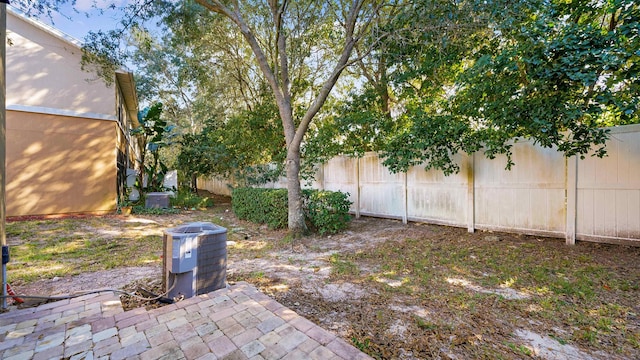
(262, 206)
(326, 212)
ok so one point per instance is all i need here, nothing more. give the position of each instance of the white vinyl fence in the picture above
(544, 194)
(215, 185)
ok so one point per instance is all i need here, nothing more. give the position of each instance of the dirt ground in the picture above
(301, 274)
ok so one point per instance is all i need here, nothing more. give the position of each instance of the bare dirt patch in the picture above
(104, 279)
(418, 291)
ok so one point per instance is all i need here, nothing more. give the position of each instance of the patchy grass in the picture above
(342, 268)
(476, 291)
(519, 349)
(50, 248)
(251, 249)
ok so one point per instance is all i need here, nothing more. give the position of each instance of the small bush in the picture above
(327, 212)
(263, 206)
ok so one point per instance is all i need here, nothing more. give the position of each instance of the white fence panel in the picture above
(608, 199)
(215, 185)
(281, 183)
(434, 197)
(544, 193)
(529, 198)
(382, 193)
(341, 174)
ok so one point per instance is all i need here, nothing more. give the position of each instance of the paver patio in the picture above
(238, 322)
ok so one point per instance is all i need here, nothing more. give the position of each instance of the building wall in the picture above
(127, 149)
(44, 70)
(59, 164)
(62, 127)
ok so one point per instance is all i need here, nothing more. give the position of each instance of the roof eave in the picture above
(127, 85)
(45, 27)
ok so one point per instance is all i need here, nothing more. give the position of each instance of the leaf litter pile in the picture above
(407, 291)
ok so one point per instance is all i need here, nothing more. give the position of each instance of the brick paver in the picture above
(238, 322)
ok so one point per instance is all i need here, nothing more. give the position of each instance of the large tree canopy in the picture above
(473, 76)
(288, 40)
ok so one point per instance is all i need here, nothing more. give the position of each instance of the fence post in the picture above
(358, 187)
(471, 202)
(571, 204)
(405, 200)
(320, 175)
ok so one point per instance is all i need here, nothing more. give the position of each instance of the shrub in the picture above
(327, 212)
(263, 206)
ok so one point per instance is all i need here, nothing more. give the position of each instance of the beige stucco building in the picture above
(68, 139)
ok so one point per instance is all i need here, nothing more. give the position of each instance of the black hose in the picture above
(65, 297)
(162, 299)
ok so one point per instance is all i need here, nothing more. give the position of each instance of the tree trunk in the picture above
(194, 183)
(296, 221)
